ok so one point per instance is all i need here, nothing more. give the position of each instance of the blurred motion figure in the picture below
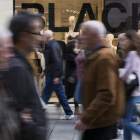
(9, 123)
(53, 73)
(25, 28)
(103, 94)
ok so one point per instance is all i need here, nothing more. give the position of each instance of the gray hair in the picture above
(49, 33)
(4, 33)
(96, 26)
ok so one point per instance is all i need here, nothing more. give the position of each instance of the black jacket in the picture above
(70, 70)
(53, 59)
(22, 85)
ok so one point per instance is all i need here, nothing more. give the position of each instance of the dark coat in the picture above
(22, 85)
(70, 70)
(53, 59)
(63, 48)
(8, 114)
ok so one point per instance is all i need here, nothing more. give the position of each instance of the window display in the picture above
(117, 15)
(109, 40)
(63, 17)
(57, 13)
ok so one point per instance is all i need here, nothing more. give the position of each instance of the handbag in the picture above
(132, 84)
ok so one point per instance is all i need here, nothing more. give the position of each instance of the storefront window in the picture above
(64, 11)
(125, 13)
(63, 17)
(117, 15)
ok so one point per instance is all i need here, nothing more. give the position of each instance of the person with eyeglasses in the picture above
(26, 27)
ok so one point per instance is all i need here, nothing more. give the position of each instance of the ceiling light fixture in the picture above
(17, 6)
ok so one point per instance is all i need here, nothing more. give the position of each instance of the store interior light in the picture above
(85, 14)
(67, 10)
(17, 6)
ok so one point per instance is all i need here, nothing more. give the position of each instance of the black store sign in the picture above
(87, 7)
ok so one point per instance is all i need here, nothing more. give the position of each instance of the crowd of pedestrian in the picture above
(104, 82)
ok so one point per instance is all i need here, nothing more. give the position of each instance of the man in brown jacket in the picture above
(103, 94)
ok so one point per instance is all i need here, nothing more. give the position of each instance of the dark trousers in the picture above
(49, 88)
(106, 133)
(75, 103)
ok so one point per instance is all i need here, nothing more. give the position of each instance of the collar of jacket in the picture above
(96, 47)
(23, 59)
(95, 52)
(50, 42)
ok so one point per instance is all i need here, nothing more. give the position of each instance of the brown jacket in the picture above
(103, 90)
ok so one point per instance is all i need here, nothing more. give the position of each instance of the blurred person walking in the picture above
(121, 54)
(9, 124)
(80, 65)
(132, 66)
(70, 72)
(103, 95)
(53, 73)
(26, 27)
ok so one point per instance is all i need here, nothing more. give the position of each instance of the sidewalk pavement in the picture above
(64, 129)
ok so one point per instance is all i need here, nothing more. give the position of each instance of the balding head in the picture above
(6, 47)
(5, 37)
(48, 35)
(93, 32)
(96, 27)
(4, 33)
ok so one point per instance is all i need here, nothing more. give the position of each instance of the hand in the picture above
(56, 81)
(80, 126)
(26, 115)
(42, 75)
(71, 80)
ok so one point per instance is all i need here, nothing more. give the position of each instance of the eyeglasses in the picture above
(32, 33)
